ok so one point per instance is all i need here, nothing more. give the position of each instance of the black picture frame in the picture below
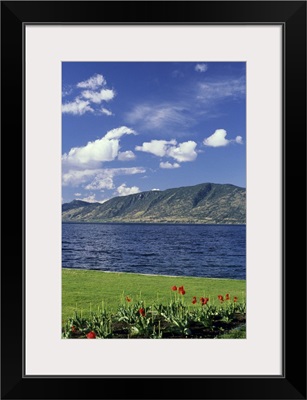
(292, 16)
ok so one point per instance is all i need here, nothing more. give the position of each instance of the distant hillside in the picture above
(76, 204)
(206, 203)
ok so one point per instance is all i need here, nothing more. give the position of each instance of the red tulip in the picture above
(142, 312)
(221, 298)
(73, 329)
(91, 335)
(204, 300)
(181, 290)
(128, 299)
(235, 299)
(194, 300)
(174, 288)
(227, 297)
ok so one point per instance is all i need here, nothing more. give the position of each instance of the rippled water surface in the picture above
(217, 251)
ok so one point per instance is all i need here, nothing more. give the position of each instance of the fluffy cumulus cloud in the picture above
(92, 154)
(126, 155)
(117, 133)
(92, 92)
(218, 139)
(77, 194)
(77, 107)
(98, 97)
(157, 147)
(83, 166)
(201, 67)
(123, 190)
(168, 165)
(93, 82)
(181, 152)
(98, 151)
(184, 151)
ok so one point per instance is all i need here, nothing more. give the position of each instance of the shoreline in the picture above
(149, 223)
(154, 275)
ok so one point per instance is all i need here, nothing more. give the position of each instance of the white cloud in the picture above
(98, 151)
(155, 190)
(97, 179)
(201, 67)
(93, 82)
(119, 132)
(218, 139)
(77, 194)
(184, 151)
(157, 147)
(75, 177)
(91, 198)
(98, 97)
(220, 90)
(123, 190)
(88, 100)
(67, 90)
(103, 178)
(101, 181)
(126, 155)
(126, 171)
(77, 107)
(162, 148)
(92, 154)
(107, 112)
(168, 165)
(158, 116)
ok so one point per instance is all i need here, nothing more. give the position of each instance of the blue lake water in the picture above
(216, 251)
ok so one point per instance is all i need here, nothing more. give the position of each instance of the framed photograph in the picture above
(139, 202)
(163, 156)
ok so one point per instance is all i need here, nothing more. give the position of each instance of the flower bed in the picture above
(183, 317)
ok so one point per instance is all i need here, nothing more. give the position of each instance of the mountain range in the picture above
(206, 203)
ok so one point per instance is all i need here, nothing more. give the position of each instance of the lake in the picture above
(215, 251)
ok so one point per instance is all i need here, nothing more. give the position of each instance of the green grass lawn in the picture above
(88, 290)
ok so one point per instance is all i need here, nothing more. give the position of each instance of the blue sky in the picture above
(129, 127)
